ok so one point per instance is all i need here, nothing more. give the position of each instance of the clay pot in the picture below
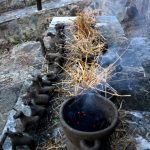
(88, 140)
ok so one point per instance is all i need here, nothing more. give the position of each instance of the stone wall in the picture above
(17, 30)
(25, 29)
(6, 5)
(29, 24)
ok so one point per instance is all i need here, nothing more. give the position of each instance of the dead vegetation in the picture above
(120, 139)
(84, 46)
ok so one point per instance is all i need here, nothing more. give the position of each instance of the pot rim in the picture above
(85, 133)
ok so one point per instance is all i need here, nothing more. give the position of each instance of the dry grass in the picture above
(84, 46)
(83, 76)
(85, 40)
(122, 138)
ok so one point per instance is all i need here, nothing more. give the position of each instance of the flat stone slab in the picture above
(111, 29)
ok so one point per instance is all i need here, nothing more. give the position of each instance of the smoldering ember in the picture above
(75, 75)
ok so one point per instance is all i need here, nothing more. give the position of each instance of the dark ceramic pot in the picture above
(88, 140)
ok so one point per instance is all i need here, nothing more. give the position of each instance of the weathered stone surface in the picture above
(12, 124)
(132, 76)
(138, 124)
(16, 71)
(23, 62)
(8, 97)
(111, 29)
(7, 5)
(27, 24)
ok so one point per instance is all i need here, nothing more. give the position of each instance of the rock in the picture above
(132, 11)
(132, 77)
(24, 61)
(2, 41)
(111, 30)
(8, 98)
(46, 40)
(74, 10)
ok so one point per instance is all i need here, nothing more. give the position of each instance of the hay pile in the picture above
(84, 46)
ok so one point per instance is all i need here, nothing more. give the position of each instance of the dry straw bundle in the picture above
(85, 39)
(84, 46)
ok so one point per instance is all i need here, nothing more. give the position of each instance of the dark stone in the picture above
(20, 139)
(27, 121)
(132, 11)
(40, 99)
(146, 66)
(131, 73)
(138, 89)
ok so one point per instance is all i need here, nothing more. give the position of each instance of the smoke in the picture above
(134, 15)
